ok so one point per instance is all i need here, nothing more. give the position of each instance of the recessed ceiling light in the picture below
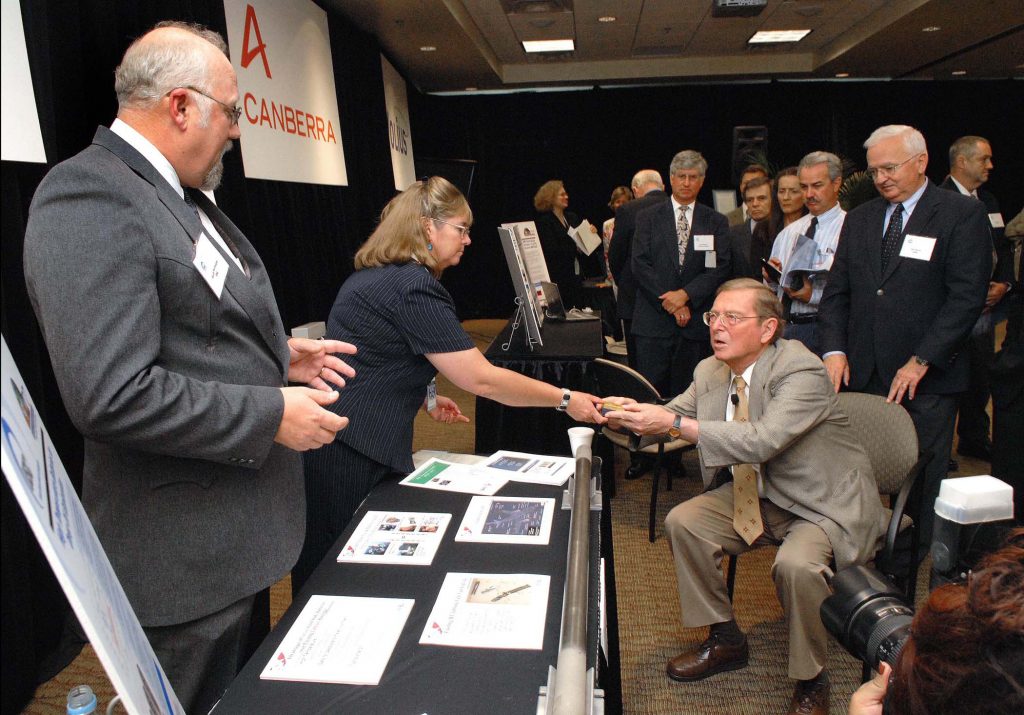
(768, 36)
(842, 74)
(548, 45)
(428, 48)
(931, 28)
(607, 18)
(959, 73)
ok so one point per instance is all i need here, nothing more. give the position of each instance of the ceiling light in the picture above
(548, 45)
(931, 28)
(959, 73)
(842, 74)
(607, 18)
(768, 36)
(470, 89)
(428, 48)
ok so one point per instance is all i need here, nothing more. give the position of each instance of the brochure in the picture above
(507, 520)
(449, 477)
(395, 537)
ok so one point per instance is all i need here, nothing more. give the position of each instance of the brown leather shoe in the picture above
(810, 699)
(709, 658)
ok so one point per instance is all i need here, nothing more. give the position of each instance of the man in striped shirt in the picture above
(804, 250)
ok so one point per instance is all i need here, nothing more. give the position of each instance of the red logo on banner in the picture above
(248, 55)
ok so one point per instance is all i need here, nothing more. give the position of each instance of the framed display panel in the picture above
(529, 310)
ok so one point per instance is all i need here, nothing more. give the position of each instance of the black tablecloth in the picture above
(432, 679)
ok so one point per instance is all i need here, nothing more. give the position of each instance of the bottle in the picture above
(81, 700)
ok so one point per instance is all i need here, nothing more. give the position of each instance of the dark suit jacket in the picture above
(744, 265)
(916, 307)
(1001, 244)
(656, 269)
(620, 252)
(560, 255)
(176, 392)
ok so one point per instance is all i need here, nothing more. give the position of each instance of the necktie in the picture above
(683, 233)
(192, 205)
(243, 264)
(746, 514)
(813, 228)
(892, 235)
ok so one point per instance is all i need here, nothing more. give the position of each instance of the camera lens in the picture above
(867, 615)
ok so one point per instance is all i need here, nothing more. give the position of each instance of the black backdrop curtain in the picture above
(597, 139)
(305, 234)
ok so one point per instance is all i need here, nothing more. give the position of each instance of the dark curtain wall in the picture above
(597, 139)
(305, 234)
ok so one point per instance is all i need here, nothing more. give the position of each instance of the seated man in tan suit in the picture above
(773, 442)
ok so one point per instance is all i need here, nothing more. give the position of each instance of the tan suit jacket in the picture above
(811, 463)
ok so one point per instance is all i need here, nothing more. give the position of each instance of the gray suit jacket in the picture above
(176, 392)
(811, 463)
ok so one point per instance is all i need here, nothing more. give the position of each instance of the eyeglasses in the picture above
(731, 319)
(888, 170)
(233, 112)
(463, 230)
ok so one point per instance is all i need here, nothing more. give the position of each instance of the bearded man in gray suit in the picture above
(172, 361)
(763, 414)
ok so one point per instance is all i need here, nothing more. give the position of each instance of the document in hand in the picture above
(806, 260)
(340, 639)
(586, 237)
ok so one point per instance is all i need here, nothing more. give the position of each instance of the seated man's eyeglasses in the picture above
(732, 319)
(888, 170)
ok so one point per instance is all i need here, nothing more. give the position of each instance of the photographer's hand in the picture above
(869, 697)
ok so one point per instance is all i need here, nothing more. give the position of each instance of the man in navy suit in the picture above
(649, 189)
(970, 160)
(681, 255)
(908, 282)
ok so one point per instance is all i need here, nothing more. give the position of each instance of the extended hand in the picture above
(313, 362)
(642, 418)
(584, 407)
(905, 382)
(447, 411)
(838, 370)
(305, 424)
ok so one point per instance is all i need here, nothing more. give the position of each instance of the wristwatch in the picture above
(921, 361)
(564, 404)
(677, 423)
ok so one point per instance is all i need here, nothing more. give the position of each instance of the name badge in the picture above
(432, 395)
(710, 259)
(996, 220)
(919, 247)
(704, 242)
(211, 265)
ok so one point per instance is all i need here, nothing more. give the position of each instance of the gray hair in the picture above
(688, 159)
(153, 66)
(913, 140)
(646, 177)
(835, 166)
(966, 147)
(766, 303)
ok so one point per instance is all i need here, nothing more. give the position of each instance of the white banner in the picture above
(20, 137)
(290, 125)
(399, 129)
(59, 522)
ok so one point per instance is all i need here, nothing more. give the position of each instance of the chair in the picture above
(887, 434)
(614, 378)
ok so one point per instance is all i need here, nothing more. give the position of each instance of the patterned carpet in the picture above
(649, 627)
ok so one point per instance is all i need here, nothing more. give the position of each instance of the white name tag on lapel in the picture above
(996, 220)
(211, 265)
(919, 247)
(704, 242)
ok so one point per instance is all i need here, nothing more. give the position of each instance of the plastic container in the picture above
(974, 500)
(81, 700)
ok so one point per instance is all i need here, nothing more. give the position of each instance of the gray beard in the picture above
(213, 177)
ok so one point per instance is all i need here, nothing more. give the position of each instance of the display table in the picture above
(433, 679)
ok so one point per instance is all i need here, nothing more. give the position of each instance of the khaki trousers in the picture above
(700, 532)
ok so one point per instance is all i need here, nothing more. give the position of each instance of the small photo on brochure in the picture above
(401, 538)
(507, 520)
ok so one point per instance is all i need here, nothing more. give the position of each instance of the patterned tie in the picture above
(892, 235)
(683, 233)
(746, 515)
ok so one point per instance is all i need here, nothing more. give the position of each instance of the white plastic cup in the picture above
(578, 437)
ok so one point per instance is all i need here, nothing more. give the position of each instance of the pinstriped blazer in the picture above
(811, 463)
(176, 392)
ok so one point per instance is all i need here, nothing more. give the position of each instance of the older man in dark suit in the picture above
(172, 360)
(681, 255)
(649, 189)
(908, 282)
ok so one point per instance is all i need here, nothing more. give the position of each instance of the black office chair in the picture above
(614, 378)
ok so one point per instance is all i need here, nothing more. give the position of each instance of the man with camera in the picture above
(763, 415)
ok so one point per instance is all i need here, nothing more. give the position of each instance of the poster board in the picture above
(532, 312)
(59, 522)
